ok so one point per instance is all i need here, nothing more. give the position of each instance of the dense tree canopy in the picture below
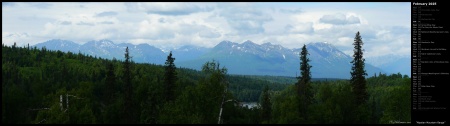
(54, 87)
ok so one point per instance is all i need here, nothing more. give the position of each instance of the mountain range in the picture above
(392, 63)
(247, 58)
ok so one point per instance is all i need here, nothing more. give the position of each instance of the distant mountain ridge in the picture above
(142, 53)
(392, 63)
(269, 59)
(58, 44)
(247, 58)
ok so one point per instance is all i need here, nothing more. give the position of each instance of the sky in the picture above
(385, 27)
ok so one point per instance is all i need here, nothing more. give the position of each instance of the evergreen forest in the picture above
(41, 86)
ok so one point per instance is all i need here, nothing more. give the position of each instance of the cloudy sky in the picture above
(384, 27)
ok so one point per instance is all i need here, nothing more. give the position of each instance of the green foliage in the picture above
(72, 107)
(271, 79)
(198, 103)
(248, 88)
(396, 106)
(266, 105)
(285, 106)
(33, 81)
(212, 88)
(334, 103)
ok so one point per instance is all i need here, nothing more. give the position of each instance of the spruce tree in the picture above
(304, 89)
(358, 80)
(128, 88)
(170, 77)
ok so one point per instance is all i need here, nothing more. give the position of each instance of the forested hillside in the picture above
(34, 79)
(43, 86)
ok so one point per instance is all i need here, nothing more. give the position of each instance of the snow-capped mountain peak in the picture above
(249, 43)
(59, 44)
(244, 58)
(269, 46)
(324, 46)
(326, 50)
(103, 43)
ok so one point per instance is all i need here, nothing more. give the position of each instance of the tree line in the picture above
(382, 99)
(44, 86)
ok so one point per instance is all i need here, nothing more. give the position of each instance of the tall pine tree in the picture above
(358, 80)
(170, 77)
(304, 88)
(128, 88)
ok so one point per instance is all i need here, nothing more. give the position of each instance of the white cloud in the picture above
(11, 38)
(85, 23)
(106, 22)
(385, 27)
(66, 23)
(106, 13)
(291, 10)
(339, 19)
(165, 8)
(300, 28)
(245, 19)
(209, 34)
(344, 41)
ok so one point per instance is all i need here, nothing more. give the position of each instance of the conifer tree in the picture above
(170, 77)
(128, 88)
(304, 89)
(358, 80)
